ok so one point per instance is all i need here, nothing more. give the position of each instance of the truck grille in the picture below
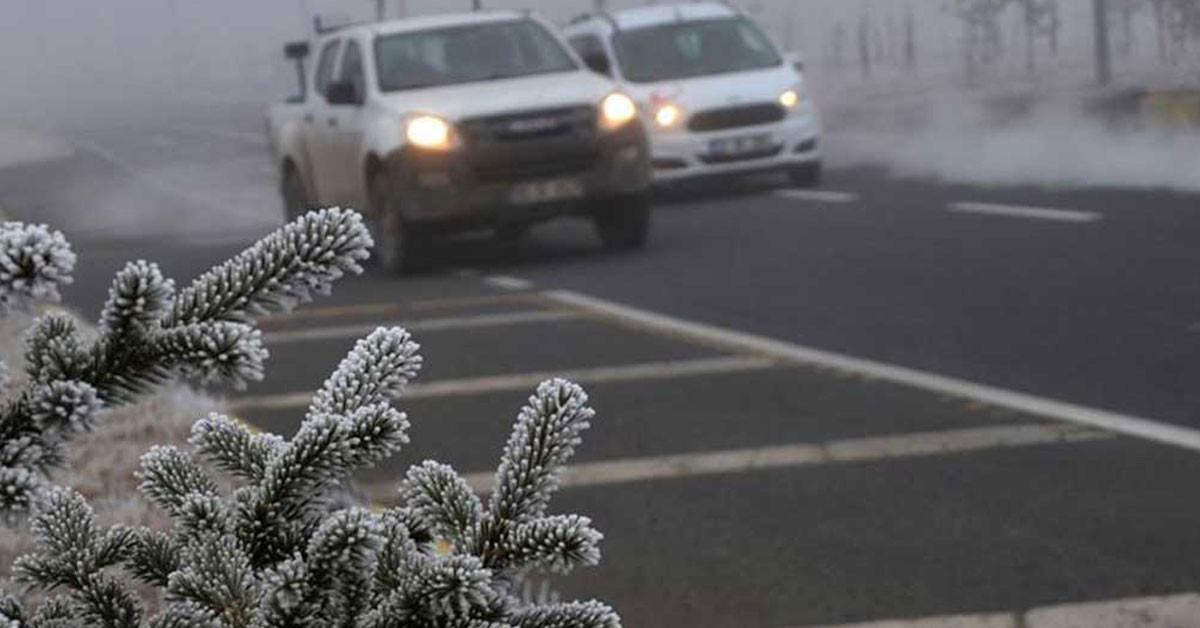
(530, 125)
(735, 117)
(532, 145)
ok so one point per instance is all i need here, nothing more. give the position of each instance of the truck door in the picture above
(319, 129)
(346, 133)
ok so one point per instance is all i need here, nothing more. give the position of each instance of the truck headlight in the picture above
(617, 110)
(430, 132)
(790, 99)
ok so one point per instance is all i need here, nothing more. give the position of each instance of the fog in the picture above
(73, 62)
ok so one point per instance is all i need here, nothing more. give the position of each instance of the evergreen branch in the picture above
(591, 614)
(374, 372)
(231, 447)
(441, 498)
(34, 263)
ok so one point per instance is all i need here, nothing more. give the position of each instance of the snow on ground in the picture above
(23, 146)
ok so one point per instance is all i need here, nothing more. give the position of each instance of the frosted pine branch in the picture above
(34, 263)
(272, 552)
(148, 335)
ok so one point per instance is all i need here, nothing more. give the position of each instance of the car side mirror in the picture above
(296, 50)
(342, 93)
(598, 62)
(796, 60)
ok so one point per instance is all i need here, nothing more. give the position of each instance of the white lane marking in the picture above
(505, 282)
(395, 309)
(1127, 425)
(1166, 611)
(820, 196)
(528, 381)
(1017, 211)
(845, 451)
(422, 325)
(948, 621)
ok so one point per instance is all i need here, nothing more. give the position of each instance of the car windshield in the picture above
(697, 48)
(465, 54)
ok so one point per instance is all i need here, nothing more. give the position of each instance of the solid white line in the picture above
(505, 282)
(1017, 211)
(1167, 611)
(846, 451)
(821, 196)
(528, 381)
(422, 325)
(749, 343)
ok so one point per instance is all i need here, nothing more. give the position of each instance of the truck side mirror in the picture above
(296, 50)
(342, 93)
(598, 62)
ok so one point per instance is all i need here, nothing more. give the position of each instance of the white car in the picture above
(449, 123)
(718, 95)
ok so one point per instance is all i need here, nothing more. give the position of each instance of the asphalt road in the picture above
(742, 482)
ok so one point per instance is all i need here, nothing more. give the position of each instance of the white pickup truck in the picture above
(450, 123)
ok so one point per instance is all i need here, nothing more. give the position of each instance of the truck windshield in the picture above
(465, 54)
(696, 48)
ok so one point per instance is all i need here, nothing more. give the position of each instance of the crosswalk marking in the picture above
(845, 451)
(742, 342)
(422, 325)
(529, 381)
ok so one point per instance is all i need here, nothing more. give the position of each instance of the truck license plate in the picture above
(546, 191)
(741, 145)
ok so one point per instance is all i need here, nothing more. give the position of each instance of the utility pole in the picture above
(599, 5)
(476, 4)
(380, 10)
(1103, 51)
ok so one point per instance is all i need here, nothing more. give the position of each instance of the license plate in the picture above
(730, 146)
(546, 191)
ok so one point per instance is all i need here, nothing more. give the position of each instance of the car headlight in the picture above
(617, 110)
(668, 115)
(430, 132)
(790, 99)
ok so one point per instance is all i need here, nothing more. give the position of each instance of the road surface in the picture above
(876, 400)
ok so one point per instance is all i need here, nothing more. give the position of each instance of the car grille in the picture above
(736, 117)
(726, 159)
(531, 145)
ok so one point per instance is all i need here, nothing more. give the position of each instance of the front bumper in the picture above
(683, 154)
(476, 187)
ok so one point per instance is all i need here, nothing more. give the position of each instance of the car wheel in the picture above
(623, 223)
(398, 245)
(806, 176)
(295, 196)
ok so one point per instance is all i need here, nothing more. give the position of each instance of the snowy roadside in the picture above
(19, 147)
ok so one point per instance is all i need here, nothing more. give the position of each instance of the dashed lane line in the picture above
(846, 451)
(1018, 211)
(820, 196)
(505, 282)
(746, 343)
(651, 371)
(427, 325)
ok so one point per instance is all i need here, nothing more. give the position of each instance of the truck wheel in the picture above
(806, 176)
(398, 244)
(295, 197)
(623, 223)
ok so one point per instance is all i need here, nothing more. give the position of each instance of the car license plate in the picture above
(546, 191)
(740, 145)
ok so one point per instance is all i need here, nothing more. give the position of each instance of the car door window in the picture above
(325, 66)
(352, 69)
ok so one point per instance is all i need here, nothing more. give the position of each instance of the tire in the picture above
(399, 245)
(295, 195)
(806, 176)
(623, 223)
